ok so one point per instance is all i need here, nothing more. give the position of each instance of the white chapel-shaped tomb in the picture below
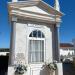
(34, 35)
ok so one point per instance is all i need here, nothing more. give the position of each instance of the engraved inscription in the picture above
(20, 57)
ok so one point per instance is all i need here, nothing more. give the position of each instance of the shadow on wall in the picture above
(3, 64)
(68, 68)
(46, 71)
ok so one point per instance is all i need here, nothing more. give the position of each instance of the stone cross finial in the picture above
(56, 5)
(23, 0)
(14, 0)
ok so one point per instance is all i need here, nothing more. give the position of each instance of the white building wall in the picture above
(66, 52)
(20, 42)
(3, 53)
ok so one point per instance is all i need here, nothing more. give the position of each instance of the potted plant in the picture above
(52, 67)
(20, 69)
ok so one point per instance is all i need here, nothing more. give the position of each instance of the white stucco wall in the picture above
(21, 40)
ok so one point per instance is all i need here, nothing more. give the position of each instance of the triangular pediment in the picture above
(35, 6)
(34, 9)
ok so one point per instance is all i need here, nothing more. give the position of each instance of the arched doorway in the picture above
(36, 47)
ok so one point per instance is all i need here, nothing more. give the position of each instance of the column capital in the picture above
(58, 25)
(14, 19)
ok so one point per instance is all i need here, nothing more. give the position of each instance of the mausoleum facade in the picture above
(34, 36)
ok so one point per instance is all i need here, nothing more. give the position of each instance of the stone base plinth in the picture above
(59, 69)
(37, 70)
(11, 70)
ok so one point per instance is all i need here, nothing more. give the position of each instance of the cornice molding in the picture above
(22, 3)
(25, 11)
(39, 3)
(35, 18)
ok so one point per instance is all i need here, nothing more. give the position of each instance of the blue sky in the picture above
(67, 28)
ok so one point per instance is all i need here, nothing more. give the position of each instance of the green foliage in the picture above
(20, 69)
(52, 66)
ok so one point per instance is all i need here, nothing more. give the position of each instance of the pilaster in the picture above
(12, 44)
(56, 43)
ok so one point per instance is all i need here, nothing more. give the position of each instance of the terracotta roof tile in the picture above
(66, 45)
